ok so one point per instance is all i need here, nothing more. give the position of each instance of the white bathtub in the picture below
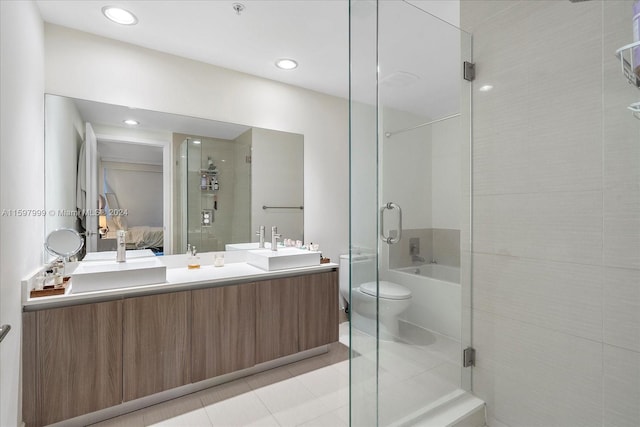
(436, 301)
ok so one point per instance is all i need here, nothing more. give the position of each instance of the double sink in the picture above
(145, 269)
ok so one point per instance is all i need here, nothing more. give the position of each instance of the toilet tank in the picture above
(361, 269)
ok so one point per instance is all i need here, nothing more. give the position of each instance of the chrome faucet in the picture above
(121, 253)
(274, 238)
(417, 258)
(260, 233)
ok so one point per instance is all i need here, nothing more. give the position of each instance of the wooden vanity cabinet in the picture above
(77, 364)
(223, 328)
(277, 318)
(156, 343)
(83, 358)
(318, 310)
(296, 314)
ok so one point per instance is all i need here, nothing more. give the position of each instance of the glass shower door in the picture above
(410, 212)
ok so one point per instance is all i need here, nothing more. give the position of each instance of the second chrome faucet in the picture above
(260, 233)
(274, 238)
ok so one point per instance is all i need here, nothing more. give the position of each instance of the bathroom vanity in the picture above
(128, 349)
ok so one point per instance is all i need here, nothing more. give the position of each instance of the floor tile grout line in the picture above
(250, 391)
(320, 416)
(267, 406)
(309, 389)
(207, 412)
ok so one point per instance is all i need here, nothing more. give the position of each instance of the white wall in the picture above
(242, 231)
(91, 67)
(446, 137)
(406, 168)
(21, 179)
(277, 175)
(64, 130)
(364, 178)
(139, 191)
(556, 237)
(422, 170)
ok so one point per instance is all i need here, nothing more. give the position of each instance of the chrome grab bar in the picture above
(283, 207)
(387, 239)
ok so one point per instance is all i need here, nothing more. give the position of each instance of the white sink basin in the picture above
(102, 275)
(282, 259)
(244, 246)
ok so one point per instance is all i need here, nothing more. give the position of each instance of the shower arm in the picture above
(390, 134)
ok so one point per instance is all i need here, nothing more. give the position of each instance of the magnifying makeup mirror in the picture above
(64, 242)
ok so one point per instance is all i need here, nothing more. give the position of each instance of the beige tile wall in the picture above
(436, 244)
(556, 230)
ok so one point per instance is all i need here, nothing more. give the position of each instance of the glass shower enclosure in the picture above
(212, 191)
(410, 213)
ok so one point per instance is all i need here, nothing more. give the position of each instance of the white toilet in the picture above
(393, 298)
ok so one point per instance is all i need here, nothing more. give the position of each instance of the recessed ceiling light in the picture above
(131, 122)
(119, 15)
(485, 88)
(196, 141)
(286, 64)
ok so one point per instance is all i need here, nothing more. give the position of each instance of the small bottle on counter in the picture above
(218, 260)
(49, 280)
(194, 260)
(58, 279)
(39, 281)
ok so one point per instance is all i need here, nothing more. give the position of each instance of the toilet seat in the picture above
(387, 290)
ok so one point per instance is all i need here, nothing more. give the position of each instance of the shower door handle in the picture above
(387, 239)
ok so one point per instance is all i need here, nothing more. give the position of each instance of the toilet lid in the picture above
(388, 290)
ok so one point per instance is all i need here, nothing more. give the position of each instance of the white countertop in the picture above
(178, 278)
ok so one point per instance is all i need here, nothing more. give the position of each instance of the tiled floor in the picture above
(315, 391)
(311, 392)
(412, 375)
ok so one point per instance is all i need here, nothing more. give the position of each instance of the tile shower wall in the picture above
(231, 219)
(436, 244)
(556, 261)
(428, 190)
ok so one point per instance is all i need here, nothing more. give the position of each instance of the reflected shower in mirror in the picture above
(168, 180)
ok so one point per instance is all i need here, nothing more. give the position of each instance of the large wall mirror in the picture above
(169, 180)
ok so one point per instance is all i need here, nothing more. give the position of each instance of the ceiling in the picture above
(155, 121)
(154, 126)
(418, 53)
